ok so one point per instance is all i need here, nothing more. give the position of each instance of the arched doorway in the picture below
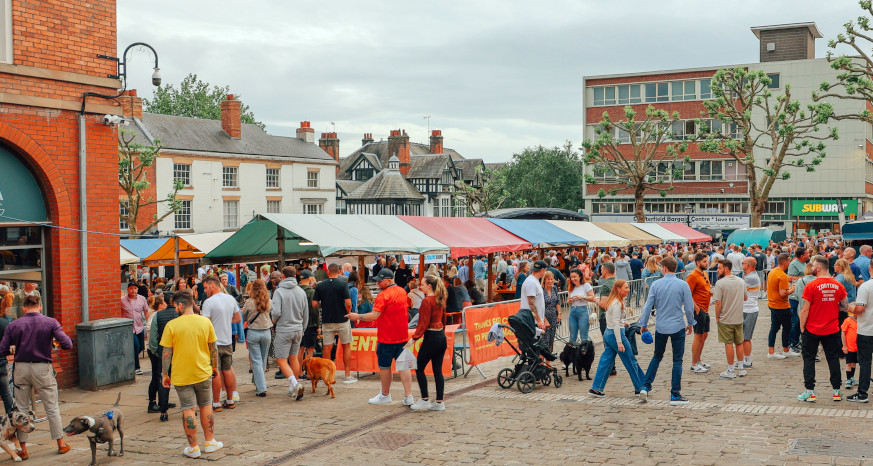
(23, 246)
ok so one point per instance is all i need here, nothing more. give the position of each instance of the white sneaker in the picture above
(380, 399)
(408, 400)
(349, 380)
(192, 452)
(212, 446)
(775, 356)
(438, 406)
(644, 396)
(741, 373)
(235, 395)
(792, 354)
(223, 396)
(421, 405)
(699, 369)
(728, 375)
(705, 365)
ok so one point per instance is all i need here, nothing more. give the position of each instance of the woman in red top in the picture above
(431, 326)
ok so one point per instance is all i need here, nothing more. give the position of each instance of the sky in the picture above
(494, 76)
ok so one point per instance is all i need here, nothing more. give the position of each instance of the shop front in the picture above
(821, 215)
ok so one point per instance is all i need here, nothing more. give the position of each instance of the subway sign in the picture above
(823, 208)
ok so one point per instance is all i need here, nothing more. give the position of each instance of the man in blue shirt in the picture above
(672, 297)
(849, 255)
(463, 271)
(863, 261)
(479, 271)
(636, 266)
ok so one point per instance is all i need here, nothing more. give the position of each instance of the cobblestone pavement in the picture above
(755, 419)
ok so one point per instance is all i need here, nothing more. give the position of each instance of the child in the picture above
(849, 335)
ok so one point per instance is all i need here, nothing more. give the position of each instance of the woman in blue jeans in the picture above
(256, 313)
(581, 293)
(615, 343)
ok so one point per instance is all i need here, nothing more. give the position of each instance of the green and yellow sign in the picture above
(823, 208)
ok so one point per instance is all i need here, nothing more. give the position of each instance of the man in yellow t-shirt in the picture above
(191, 356)
(778, 290)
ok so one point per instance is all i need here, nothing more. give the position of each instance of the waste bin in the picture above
(105, 352)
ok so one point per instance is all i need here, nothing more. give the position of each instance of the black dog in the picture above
(581, 356)
(102, 429)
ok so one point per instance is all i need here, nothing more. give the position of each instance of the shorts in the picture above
(730, 334)
(702, 325)
(310, 337)
(287, 343)
(749, 320)
(852, 357)
(225, 357)
(386, 353)
(330, 333)
(195, 395)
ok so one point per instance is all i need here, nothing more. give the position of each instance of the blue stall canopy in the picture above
(858, 230)
(143, 247)
(539, 233)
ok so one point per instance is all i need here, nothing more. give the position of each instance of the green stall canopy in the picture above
(761, 236)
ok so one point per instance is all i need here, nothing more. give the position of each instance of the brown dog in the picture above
(321, 369)
(11, 425)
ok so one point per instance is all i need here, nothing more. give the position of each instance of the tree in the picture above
(748, 117)
(855, 77)
(134, 160)
(544, 177)
(195, 99)
(642, 166)
(489, 196)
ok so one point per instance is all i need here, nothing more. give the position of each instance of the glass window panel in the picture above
(609, 95)
(651, 92)
(774, 80)
(678, 90)
(598, 96)
(635, 94)
(623, 94)
(663, 92)
(705, 91)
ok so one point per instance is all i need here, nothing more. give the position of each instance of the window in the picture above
(229, 177)
(710, 208)
(711, 170)
(363, 171)
(314, 209)
(657, 92)
(272, 177)
(6, 34)
(460, 207)
(775, 208)
(445, 207)
(182, 172)
(122, 216)
(705, 89)
(312, 179)
(684, 90)
(662, 172)
(231, 214)
(736, 207)
(274, 207)
(689, 172)
(683, 129)
(604, 95)
(182, 217)
(341, 208)
(629, 94)
(774, 80)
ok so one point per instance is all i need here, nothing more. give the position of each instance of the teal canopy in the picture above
(858, 230)
(761, 236)
(540, 233)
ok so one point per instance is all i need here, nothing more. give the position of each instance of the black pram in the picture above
(532, 350)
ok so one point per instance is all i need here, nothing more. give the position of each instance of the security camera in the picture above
(156, 77)
(113, 120)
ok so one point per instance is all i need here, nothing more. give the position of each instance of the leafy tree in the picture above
(489, 196)
(194, 98)
(544, 177)
(748, 117)
(134, 160)
(855, 70)
(642, 166)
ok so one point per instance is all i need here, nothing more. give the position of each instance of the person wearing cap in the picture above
(134, 306)
(532, 296)
(391, 314)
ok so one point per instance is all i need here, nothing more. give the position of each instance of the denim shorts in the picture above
(386, 353)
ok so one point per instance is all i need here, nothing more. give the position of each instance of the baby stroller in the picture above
(532, 349)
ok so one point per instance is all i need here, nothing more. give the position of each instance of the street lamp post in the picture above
(688, 209)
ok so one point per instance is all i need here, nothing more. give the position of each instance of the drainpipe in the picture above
(83, 216)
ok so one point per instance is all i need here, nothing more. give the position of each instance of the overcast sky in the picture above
(494, 76)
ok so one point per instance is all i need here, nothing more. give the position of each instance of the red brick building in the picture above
(48, 60)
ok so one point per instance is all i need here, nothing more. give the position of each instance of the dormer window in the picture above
(394, 163)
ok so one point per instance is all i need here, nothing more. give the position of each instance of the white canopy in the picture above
(127, 257)
(205, 242)
(597, 237)
(658, 231)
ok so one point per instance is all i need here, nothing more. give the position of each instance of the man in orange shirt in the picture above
(701, 292)
(778, 290)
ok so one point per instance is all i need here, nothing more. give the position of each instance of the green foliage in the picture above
(855, 69)
(489, 196)
(194, 98)
(134, 161)
(543, 177)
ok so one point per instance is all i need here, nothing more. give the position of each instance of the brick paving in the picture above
(755, 419)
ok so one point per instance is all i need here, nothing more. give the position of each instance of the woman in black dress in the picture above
(553, 309)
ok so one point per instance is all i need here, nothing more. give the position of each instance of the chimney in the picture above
(306, 132)
(131, 105)
(368, 138)
(398, 144)
(436, 142)
(231, 117)
(330, 144)
(782, 42)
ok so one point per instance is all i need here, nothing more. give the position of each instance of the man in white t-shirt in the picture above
(223, 310)
(750, 306)
(532, 296)
(864, 316)
(736, 257)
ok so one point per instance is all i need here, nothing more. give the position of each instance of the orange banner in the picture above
(479, 321)
(364, 351)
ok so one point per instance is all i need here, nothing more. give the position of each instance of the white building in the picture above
(716, 186)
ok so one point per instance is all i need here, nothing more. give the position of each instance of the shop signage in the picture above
(715, 221)
(428, 259)
(823, 208)
(20, 196)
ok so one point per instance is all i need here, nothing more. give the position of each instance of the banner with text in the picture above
(479, 321)
(364, 351)
(717, 221)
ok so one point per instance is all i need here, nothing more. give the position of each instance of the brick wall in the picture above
(791, 44)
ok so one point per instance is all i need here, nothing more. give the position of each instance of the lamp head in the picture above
(156, 77)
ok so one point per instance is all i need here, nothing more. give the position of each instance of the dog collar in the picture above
(90, 420)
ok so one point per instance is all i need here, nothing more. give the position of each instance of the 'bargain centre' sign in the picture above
(823, 208)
